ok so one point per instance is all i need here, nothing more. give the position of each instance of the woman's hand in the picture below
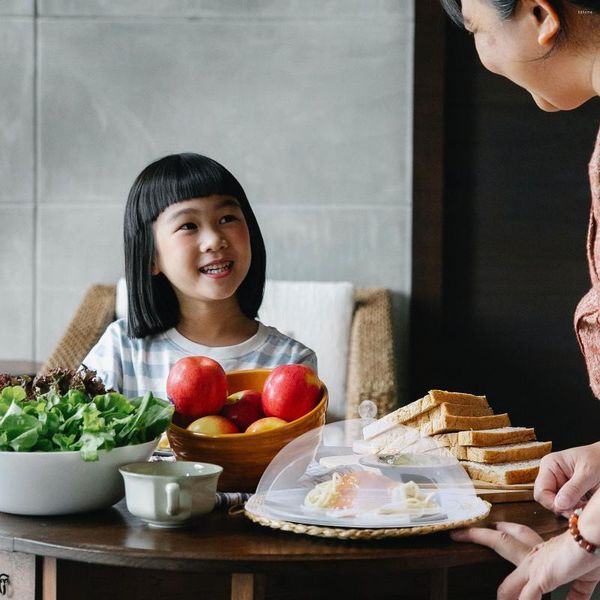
(566, 477)
(541, 566)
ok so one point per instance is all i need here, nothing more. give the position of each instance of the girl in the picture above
(195, 270)
(552, 49)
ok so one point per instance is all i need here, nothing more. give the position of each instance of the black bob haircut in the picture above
(506, 9)
(152, 304)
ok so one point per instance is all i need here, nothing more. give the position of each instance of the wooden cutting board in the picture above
(497, 494)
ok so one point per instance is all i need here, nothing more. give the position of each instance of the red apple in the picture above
(290, 391)
(197, 386)
(245, 410)
(266, 424)
(213, 425)
(248, 395)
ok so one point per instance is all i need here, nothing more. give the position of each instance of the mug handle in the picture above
(172, 490)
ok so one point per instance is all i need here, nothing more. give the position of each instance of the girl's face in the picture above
(519, 48)
(202, 248)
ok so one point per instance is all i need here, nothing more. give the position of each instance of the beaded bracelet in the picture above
(574, 529)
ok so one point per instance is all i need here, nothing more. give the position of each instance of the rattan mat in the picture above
(347, 533)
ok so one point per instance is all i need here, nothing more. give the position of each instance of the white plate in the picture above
(289, 506)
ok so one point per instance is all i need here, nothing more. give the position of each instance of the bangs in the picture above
(181, 177)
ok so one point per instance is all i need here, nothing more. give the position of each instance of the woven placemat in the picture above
(348, 533)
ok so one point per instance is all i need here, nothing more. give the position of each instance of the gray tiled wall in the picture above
(308, 102)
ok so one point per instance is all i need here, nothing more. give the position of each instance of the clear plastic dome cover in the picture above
(331, 476)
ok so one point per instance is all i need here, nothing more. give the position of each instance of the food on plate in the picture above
(290, 391)
(342, 490)
(213, 425)
(197, 386)
(266, 424)
(367, 490)
(61, 411)
(243, 408)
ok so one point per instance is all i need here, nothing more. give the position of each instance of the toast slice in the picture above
(459, 452)
(504, 473)
(397, 439)
(456, 410)
(448, 440)
(455, 417)
(420, 406)
(496, 437)
(506, 453)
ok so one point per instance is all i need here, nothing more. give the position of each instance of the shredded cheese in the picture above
(341, 490)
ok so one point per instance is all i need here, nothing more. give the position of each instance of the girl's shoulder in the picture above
(275, 337)
(275, 334)
(283, 348)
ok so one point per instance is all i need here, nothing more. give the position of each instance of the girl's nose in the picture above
(212, 241)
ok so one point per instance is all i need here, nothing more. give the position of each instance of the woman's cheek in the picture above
(484, 57)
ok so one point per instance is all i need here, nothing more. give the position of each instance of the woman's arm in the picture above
(541, 566)
(589, 521)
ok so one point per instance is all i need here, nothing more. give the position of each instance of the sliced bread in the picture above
(441, 396)
(420, 406)
(448, 440)
(396, 439)
(455, 417)
(459, 452)
(456, 410)
(505, 453)
(496, 436)
(504, 473)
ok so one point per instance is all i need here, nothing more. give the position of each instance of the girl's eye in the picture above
(227, 219)
(188, 227)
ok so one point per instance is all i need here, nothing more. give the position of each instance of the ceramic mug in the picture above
(169, 494)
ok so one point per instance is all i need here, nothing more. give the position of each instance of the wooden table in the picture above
(111, 554)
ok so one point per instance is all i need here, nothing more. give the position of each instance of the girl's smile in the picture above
(217, 268)
(202, 248)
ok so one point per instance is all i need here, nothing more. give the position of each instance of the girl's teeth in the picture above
(217, 269)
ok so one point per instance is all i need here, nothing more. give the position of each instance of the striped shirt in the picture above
(134, 366)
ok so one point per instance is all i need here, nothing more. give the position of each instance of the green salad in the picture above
(72, 411)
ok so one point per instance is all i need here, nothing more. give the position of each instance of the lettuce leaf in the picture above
(75, 421)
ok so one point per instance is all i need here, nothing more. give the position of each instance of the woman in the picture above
(552, 49)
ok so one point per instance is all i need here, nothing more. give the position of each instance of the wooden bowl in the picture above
(243, 456)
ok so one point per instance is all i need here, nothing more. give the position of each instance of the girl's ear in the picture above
(155, 269)
(546, 20)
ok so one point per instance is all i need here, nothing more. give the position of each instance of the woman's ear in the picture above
(546, 20)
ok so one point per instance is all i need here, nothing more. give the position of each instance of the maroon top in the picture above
(587, 315)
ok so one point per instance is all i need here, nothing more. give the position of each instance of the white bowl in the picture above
(60, 483)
